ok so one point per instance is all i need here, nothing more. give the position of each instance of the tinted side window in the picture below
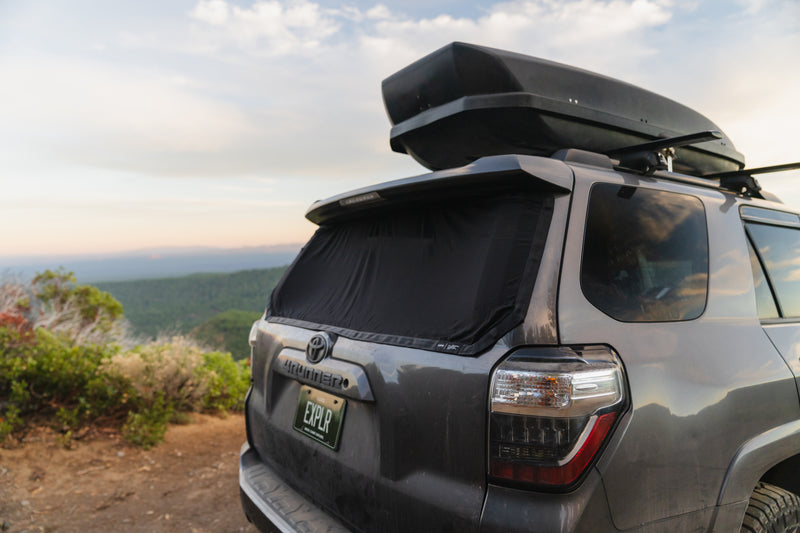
(779, 249)
(645, 254)
(764, 300)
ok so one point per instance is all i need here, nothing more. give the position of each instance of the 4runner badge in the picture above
(318, 347)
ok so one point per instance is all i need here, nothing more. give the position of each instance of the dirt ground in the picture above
(189, 483)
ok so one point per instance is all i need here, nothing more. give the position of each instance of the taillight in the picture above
(551, 410)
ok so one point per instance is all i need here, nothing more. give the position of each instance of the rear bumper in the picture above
(272, 506)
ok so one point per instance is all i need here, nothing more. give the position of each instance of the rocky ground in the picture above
(189, 483)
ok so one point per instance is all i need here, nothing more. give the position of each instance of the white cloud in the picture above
(589, 33)
(379, 12)
(289, 90)
(95, 114)
(293, 88)
(214, 12)
(731, 65)
(295, 27)
(271, 27)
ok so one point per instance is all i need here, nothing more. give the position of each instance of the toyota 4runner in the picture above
(586, 318)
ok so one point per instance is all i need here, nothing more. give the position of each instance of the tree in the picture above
(55, 301)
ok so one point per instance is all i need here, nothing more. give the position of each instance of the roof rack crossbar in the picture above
(669, 142)
(751, 171)
(648, 157)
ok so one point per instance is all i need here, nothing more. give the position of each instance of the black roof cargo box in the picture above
(465, 101)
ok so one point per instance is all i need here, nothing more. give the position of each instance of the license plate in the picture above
(319, 416)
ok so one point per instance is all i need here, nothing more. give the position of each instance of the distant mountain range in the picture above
(154, 263)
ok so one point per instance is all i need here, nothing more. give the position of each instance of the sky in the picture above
(148, 124)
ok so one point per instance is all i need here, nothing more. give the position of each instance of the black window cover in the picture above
(452, 275)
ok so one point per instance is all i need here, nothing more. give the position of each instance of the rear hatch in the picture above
(371, 370)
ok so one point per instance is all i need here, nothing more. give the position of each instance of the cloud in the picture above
(288, 91)
(295, 27)
(542, 25)
(314, 73)
(292, 88)
(379, 12)
(96, 114)
(272, 27)
(214, 12)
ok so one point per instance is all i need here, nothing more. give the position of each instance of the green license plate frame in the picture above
(320, 416)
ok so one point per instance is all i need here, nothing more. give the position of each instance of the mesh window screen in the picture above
(451, 276)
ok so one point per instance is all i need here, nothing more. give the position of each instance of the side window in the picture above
(779, 250)
(764, 301)
(645, 254)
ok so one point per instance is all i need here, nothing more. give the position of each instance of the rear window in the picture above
(645, 254)
(451, 275)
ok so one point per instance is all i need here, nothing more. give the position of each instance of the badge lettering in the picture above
(307, 373)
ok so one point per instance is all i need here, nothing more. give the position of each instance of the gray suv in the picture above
(586, 318)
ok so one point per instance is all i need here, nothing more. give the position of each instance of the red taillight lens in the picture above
(551, 410)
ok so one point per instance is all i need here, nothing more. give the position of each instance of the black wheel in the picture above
(772, 510)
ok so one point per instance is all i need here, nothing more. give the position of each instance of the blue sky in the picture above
(132, 125)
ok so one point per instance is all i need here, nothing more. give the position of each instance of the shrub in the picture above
(170, 377)
(84, 313)
(50, 376)
(53, 367)
(227, 381)
(163, 368)
(14, 306)
(147, 427)
(186, 377)
(10, 421)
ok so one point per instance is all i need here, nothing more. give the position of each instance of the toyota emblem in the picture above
(318, 347)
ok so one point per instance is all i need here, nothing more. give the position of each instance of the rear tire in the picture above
(772, 510)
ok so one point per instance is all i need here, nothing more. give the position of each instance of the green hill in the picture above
(178, 305)
(228, 332)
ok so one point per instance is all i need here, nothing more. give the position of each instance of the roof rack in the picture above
(658, 155)
(648, 157)
(743, 182)
(750, 171)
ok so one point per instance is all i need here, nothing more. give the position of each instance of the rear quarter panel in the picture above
(699, 389)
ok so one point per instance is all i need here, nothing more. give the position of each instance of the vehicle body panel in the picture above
(785, 335)
(698, 386)
(410, 449)
(713, 404)
(413, 447)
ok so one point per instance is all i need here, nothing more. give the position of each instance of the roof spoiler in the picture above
(489, 174)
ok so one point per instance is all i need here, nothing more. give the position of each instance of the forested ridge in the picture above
(179, 305)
